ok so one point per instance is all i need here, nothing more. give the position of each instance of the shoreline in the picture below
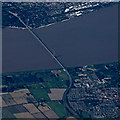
(44, 26)
(58, 68)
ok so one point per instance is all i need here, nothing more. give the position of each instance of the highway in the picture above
(65, 101)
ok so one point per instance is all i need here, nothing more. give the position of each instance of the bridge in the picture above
(65, 101)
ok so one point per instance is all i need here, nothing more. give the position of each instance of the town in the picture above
(40, 14)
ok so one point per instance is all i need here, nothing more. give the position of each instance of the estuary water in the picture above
(88, 39)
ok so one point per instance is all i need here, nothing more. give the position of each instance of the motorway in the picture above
(65, 100)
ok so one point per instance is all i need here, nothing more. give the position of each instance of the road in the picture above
(65, 100)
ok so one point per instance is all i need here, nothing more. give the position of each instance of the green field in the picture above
(39, 93)
(58, 108)
(47, 79)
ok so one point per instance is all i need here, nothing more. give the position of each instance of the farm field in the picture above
(32, 94)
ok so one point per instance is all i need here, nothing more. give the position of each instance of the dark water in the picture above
(88, 39)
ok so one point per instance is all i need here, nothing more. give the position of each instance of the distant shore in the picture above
(40, 26)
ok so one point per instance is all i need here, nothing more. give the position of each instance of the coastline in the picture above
(23, 28)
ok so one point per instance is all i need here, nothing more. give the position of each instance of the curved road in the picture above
(65, 100)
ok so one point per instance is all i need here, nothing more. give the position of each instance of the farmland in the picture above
(34, 89)
(39, 94)
(58, 108)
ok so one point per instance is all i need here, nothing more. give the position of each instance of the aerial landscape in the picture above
(60, 60)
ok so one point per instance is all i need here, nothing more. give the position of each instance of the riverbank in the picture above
(23, 28)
